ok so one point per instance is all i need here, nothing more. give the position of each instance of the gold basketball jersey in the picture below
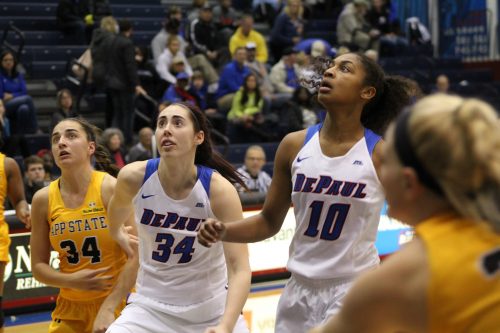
(81, 237)
(3, 186)
(464, 286)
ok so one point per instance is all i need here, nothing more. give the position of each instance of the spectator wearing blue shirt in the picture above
(18, 104)
(178, 92)
(231, 79)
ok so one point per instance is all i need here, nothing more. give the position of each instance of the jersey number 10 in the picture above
(334, 221)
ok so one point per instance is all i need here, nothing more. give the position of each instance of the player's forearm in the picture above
(125, 282)
(239, 287)
(49, 276)
(252, 229)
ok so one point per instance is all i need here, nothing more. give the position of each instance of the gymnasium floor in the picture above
(259, 312)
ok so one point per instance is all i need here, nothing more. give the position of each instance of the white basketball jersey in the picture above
(337, 203)
(174, 268)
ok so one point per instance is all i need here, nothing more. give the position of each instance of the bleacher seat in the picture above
(47, 69)
(30, 9)
(51, 53)
(139, 11)
(30, 22)
(36, 142)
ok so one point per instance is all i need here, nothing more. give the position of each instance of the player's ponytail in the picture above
(457, 140)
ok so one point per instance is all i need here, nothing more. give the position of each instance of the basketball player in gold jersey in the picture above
(70, 216)
(11, 185)
(441, 173)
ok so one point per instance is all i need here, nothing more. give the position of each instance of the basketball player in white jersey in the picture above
(181, 285)
(329, 173)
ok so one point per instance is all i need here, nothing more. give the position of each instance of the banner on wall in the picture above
(463, 29)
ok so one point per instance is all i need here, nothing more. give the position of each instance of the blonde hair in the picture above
(457, 140)
(108, 23)
(287, 8)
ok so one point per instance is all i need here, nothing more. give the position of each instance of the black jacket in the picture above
(122, 68)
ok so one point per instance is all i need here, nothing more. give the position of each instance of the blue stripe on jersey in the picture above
(311, 131)
(371, 140)
(205, 175)
(151, 167)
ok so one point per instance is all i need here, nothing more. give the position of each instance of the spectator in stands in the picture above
(4, 122)
(231, 79)
(64, 107)
(256, 179)
(178, 92)
(245, 119)
(148, 76)
(18, 104)
(194, 12)
(284, 74)
(51, 170)
(122, 81)
(226, 20)
(314, 47)
(382, 17)
(170, 56)
(100, 49)
(353, 30)
(112, 139)
(172, 27)
(203, 35)
(98, 9)
(299, 112)
(34, 176)
(259, 69)
(143, 150)
(71, 20)
(288, 28)
(442, 84)
(246, 35)
(265, 10)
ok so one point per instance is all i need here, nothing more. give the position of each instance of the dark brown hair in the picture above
(205, 153)
(101, 155)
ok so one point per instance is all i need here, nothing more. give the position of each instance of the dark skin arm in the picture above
(269, 221)
(15, 191)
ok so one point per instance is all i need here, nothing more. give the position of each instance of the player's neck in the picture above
(176, 176)
(342, 127)
(76, 181)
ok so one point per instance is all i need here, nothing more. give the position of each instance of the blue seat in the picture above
(52, 53)
(144, 11)
(47, 69)
(27, 9)
(32, 23)
(146, 24)
(143, 38)
(33, 38)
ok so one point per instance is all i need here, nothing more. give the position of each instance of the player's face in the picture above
(343, 82)
(175, 133)
(70, 144)
(392, 179)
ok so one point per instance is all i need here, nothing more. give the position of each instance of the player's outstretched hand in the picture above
(211, 231)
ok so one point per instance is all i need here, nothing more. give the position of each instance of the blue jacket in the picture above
(231, 78)
(15, 86)
(283, 31)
